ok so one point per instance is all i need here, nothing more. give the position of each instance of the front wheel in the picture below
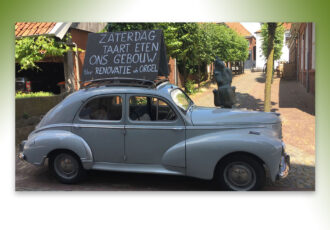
(66, 167)
(240, 173)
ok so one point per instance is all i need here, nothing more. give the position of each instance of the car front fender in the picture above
(42, 143)
(203, 152)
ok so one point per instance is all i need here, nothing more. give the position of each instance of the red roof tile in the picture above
(239, 28)
(287, 26)
(33, 28)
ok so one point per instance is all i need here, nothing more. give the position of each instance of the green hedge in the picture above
(35, 94)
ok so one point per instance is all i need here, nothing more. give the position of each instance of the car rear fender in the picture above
(41, 144)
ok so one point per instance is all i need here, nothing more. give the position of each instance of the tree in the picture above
(271, 30)
(226, 43)
(278, 40)
(29, 50)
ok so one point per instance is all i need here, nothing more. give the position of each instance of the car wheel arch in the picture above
(54, 152)
(50, 141)
(229, 155)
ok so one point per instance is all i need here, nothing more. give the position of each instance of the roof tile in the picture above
(33, 28)
(239, 28)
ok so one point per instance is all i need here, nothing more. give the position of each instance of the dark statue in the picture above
(225, 95)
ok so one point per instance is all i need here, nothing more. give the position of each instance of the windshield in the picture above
(181, 99)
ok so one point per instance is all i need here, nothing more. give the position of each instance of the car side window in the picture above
(103, 108)
(143, 108)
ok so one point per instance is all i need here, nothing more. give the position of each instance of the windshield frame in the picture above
(191, 102)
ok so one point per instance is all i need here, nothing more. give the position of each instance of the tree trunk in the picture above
(199, 75)
(184, 74)
(269, 72)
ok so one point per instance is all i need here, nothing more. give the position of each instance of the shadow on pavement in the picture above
(261, 79)
(292, 94)
(245, 100)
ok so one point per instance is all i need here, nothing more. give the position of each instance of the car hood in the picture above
(220, 116)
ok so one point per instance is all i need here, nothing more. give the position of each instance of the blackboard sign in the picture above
(129, 54)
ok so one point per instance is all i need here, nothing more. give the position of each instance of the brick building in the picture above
(302, 54)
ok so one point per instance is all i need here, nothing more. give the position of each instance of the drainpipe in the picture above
(175, 75)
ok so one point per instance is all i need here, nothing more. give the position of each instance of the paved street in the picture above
(288, 98)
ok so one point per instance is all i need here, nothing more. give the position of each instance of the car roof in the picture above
(161, 90)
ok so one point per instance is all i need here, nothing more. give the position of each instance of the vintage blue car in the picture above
(154, 127)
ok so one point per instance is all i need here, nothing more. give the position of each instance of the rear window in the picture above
(103, 108)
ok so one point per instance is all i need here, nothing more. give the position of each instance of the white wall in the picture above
(285, 50)
(260, 59)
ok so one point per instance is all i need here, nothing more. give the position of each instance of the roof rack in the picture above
(120, 81)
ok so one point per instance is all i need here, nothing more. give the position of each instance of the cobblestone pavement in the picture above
(297, 116)
(297, 109)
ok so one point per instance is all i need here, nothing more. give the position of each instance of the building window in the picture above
(302, 52)
(313, 46)
(306, 48)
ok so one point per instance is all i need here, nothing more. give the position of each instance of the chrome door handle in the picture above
(76, 126)
(178, 128)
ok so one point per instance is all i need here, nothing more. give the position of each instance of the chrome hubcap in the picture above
(66, 166)
(239, 176)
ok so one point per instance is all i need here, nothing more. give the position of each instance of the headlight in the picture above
(278, 129)
(283, 149)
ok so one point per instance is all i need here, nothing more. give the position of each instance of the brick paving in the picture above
(288, 98)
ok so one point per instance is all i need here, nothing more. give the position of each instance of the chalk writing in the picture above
(134, 53)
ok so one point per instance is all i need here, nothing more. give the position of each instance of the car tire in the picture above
(240, 172)
(66, 167)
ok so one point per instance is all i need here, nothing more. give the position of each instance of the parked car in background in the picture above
(22, 84)
(154, 127)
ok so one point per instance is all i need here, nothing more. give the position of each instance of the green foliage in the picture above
(226, 43)
(130, 26)
(36, 94)
(190, 87)
(29, 50)
(278, 40)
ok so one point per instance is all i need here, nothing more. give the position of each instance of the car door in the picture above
(152, 127)
(100, 122)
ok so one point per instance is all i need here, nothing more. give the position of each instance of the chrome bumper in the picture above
(21, 156)
(21, 148)
(284, 167)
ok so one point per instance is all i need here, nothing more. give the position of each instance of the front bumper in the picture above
(284, 166)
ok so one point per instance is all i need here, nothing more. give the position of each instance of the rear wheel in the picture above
(240, 173)
(66, 167)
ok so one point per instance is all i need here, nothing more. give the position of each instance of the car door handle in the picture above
(177, 128)
(76, 126)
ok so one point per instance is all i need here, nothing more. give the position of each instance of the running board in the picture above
(138, 168)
